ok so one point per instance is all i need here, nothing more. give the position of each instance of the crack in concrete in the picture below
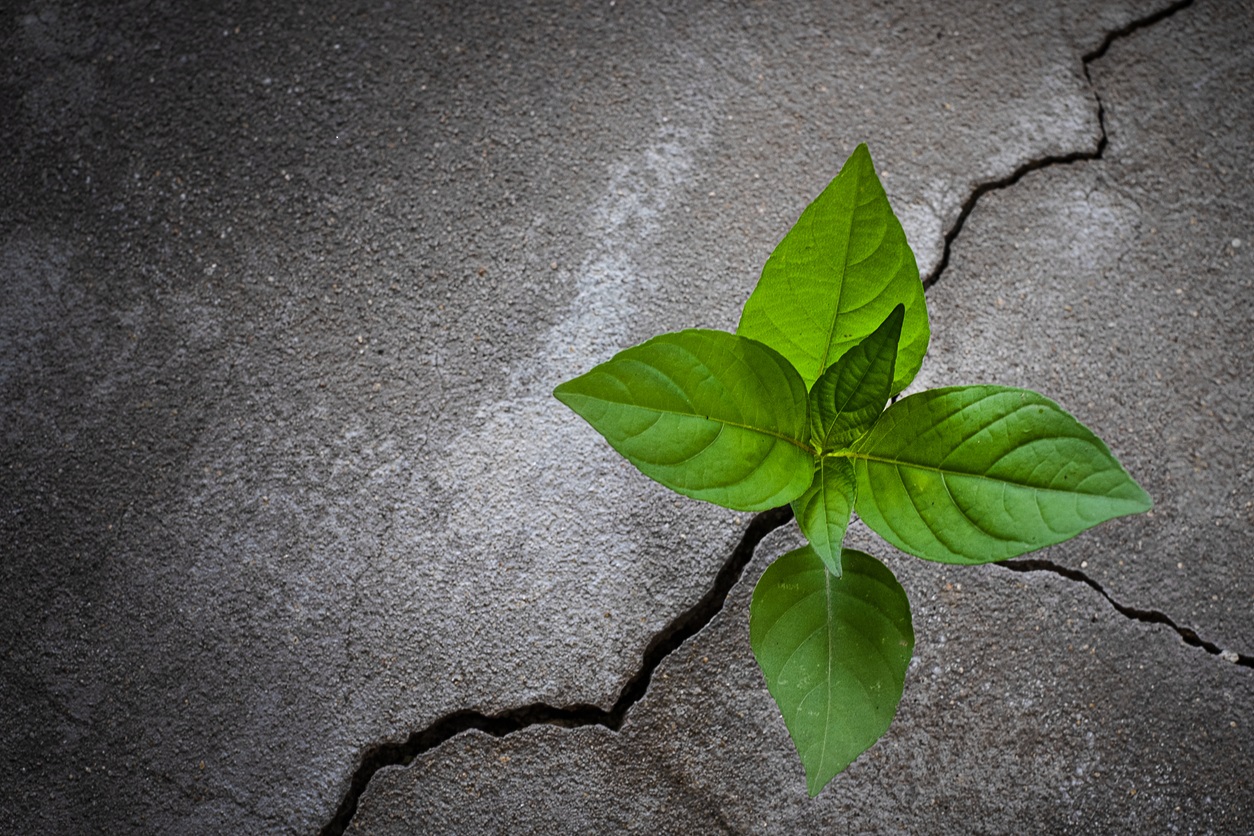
(692, 620)
(683, 627)
(1187, 634)
(1030, 166)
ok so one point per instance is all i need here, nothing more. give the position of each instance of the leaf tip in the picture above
(860, 161)
(831, 562)
(562, 391)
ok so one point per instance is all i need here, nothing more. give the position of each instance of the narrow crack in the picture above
(1054, 159)
(683, 627)
(1187, 634)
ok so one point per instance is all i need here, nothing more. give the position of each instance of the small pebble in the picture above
(1236, 243)
(1230, 656)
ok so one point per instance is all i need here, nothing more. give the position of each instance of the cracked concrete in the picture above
(1025, 703)
(286, 292)
(502, 723)
(1125, 284)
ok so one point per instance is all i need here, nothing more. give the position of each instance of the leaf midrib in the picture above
(844, 275)
(851, 454)
(831, 652)
(841, 410)
(762, 430)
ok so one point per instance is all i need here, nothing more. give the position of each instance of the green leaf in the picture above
(709, 414)
(823, 510)
(836, 276)
(851, 394)
(973, 474)
(834, 652)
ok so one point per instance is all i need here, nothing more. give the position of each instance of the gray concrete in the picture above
(1124, 288)
(285, 294)
(1028, 707)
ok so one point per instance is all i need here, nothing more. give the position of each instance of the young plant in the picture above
(791, 409)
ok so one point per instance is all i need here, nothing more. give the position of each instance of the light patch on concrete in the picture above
(541, 541)
(519, 468)
(597, 324)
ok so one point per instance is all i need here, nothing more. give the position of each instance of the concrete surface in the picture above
(285, 294)
(1122, 288)
(1028, 708)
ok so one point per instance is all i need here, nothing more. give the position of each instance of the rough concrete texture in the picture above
(1028, 706)
(285, 291)
(1124, 288)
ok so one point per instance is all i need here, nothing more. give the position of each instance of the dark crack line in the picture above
(1187, 634)
(683, 627)
(1049, 161)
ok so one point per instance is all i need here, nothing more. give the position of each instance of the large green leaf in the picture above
(851, 394)
(836, 276)
(709, 414)
(973, 474)
(834, 652)
(823, 510)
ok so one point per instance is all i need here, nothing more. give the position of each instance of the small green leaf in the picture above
(709, 414)
(973, 474)
(823, 510)
(851, 394)
(834, 652)
(836, 276)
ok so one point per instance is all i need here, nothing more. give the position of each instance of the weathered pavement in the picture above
(285, 498)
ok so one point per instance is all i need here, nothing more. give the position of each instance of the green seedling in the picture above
(792, 409)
